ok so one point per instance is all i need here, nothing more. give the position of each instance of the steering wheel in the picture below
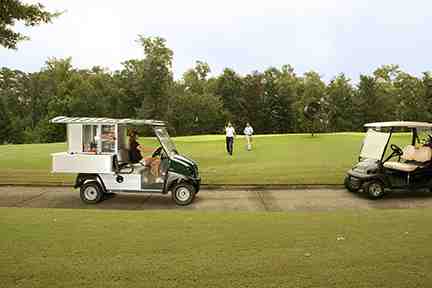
(396, 150)
(157, 152)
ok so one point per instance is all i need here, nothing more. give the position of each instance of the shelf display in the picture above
(108, 139)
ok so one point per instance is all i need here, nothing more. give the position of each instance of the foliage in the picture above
(194, 113)
(5, 124)
(228, 88)
(14, 10)
(157, 78)
(339, 98)
(199, 103)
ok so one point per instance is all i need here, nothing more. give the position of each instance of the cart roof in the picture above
(407, 124)
(112, 121)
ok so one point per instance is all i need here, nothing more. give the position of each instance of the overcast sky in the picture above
(328, 36)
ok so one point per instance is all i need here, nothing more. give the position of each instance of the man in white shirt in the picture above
(248, 131)
(230, 134)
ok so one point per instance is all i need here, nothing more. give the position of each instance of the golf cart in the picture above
(98, 150)
(381, 169)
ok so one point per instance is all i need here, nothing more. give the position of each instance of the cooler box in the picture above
(65, 162)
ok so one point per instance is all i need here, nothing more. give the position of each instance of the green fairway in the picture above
(275, 159)
(95, 248)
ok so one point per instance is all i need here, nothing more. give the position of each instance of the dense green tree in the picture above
(59, 80)
(413, 105)
(385, 77)
(15, 97)
(272, 100)
(427, 94)
(228, 88)
(194, 113)
(130, 83)
(12, 11)
(366, 104)
(252, 93)
(195, 79)
(311, 89)
(287, 89)
(339, 106)
(5, 124)
(157, 76)
(278, 97)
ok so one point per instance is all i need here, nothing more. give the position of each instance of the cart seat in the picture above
(414, 158)
(139, 168)
(405, 167)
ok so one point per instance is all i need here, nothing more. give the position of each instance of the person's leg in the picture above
(227, 144)
(249, 147)
(155, 165)
(231, 144)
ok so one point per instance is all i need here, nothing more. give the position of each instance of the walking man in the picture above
(248, 131)
(230, 134)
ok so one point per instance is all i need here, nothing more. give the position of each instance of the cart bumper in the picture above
(197, 183)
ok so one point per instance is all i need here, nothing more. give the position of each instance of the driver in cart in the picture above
(135, 154)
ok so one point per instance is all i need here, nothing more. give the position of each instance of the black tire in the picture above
(349, 185)
(183, 194)
(91, 192)
(374, 189)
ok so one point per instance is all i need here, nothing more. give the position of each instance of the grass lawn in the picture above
(276, 159)
(102, 248)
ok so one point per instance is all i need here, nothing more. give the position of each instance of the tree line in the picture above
(272, 101)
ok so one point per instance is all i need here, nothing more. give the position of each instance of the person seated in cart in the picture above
(135, 154)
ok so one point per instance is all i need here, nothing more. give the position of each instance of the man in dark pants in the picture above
(230, 134)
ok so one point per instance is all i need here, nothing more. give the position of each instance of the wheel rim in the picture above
(90, 193)
(375, 189)
(183, 194)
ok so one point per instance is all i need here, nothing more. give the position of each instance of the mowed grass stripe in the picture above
(275, 159)
(95, 248)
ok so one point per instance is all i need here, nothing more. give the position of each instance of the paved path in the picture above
(216, 200)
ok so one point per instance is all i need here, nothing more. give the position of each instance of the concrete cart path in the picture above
(215, 200)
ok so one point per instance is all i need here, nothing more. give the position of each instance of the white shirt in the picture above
(248, 130)
(229, 131)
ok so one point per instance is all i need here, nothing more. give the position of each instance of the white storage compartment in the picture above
(74, 136)
(64, 162)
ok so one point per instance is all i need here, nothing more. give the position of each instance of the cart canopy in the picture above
(112, 121)
(406, 124)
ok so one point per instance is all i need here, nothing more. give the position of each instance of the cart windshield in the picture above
(165, 140)
(374, 144)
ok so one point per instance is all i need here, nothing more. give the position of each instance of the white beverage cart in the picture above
(98, 151)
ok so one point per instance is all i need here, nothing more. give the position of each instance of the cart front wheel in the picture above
(374, 189)
(183, 194)
(91, 192)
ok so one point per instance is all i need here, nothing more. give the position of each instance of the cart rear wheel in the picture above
(352, 187)
(91, 192)
(374, 189)
(183, 194)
